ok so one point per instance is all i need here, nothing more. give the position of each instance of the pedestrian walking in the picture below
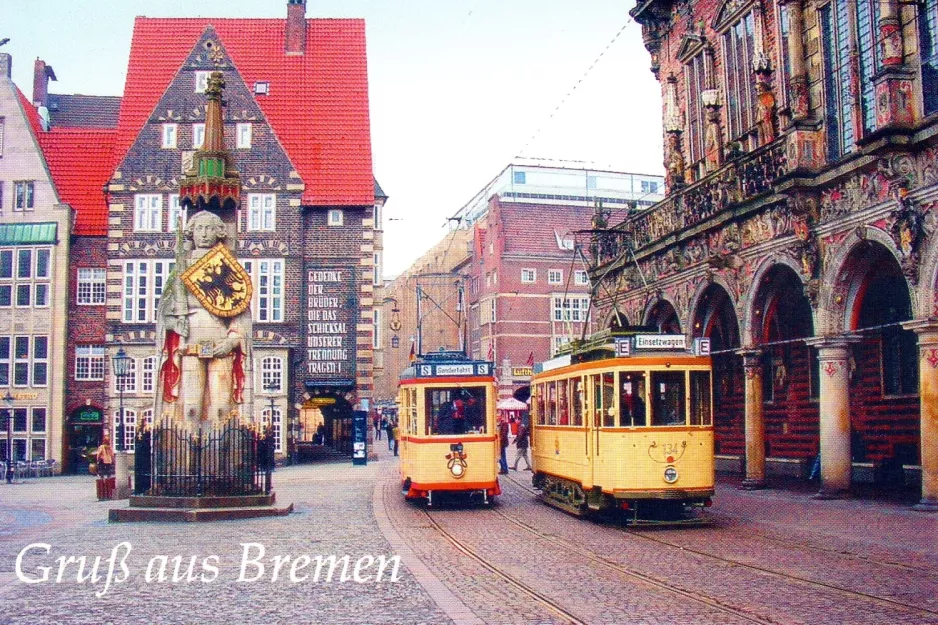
(377, 428)
(521, 447)
(396, 431)
(389, 430)
(503, 431)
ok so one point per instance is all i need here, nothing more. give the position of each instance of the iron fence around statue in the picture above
(230, 460)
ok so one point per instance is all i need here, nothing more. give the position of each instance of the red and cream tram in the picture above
(448, 438)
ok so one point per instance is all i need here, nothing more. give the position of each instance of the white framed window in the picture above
(243, 133)
(198, 135)
(262, 211)
(528, 276)
(170, 132)
(40, 361)
(142, 287)
(554, 276)
(176, 213)
(201, 81)
(24, 192)
(128, 381)
(275, 423)
(559, 342)
(148, 375)
(377, 216)
(336, 217)
(5, 354)
(570, 308)
(147, 417)
(24, 277)
(130, 428)
(377, 273)
(89, 362)
(21, 361)
(581, 278)
(267, 277)
(148, 212)
(38, 422)
(272, 374)
(92, 286)
(494, 309)
(376, 332)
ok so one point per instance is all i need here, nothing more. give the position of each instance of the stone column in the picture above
(755, 420)
(927, 331)
(798, 80)
(836, 467)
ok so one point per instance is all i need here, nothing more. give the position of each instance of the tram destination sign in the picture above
(435, 370)
(661, 341)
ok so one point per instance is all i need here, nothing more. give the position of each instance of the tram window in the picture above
(455, 410)
(597, 405)
(551, 389)
(700, 398)
(412, 411)
(632, 398)
(667, 398)
(563, 405)
(607, 381)
(539, 403)
(579, 397)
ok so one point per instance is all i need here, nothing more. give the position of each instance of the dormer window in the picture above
(262, 88)
(201, 81)
(336, 217)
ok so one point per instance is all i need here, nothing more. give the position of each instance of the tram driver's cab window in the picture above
(632, 399)
(455, 410)
(604, 391)
(667, 398)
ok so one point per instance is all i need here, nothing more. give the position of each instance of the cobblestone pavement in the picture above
(773, 556)
(333, 517)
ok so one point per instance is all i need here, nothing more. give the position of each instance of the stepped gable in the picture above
(79, 160)
(327, 137)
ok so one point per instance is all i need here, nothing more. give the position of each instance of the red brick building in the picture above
(296, 124)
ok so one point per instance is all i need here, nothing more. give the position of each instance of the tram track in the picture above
(545, 601)
(853, 594)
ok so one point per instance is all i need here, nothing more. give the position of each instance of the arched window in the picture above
(277, 422)
(130, 428)
(272, 375)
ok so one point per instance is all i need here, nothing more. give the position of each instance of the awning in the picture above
(510, 403)
(28, 234)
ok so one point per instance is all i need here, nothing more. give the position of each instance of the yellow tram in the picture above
(448, 438)
(625, 423)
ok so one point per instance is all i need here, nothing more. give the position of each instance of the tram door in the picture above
(603, 402)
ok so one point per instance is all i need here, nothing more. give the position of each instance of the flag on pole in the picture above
(492, 350)
(413, 352)
(530, 362)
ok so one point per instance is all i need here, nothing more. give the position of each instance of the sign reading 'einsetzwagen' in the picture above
(661, 341)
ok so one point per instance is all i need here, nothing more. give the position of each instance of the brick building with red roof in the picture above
(296, 124)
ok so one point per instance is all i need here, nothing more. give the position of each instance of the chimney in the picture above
(294, 40)
(41, 75)
(6, 65)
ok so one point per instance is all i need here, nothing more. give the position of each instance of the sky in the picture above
(458, 89)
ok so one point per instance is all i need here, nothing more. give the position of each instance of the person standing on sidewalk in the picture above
(503, 431)
(521, 447)
(389, 430)
(396, 433)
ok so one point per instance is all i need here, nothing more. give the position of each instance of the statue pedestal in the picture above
(122, 488)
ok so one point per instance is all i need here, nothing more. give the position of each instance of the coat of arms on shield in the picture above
(219, 282)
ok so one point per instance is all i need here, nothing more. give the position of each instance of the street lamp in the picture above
(272, 387)
(121, 362)
(8, 398)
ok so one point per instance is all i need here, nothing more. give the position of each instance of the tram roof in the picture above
(447, 364)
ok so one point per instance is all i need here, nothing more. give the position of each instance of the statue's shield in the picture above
(219, 282)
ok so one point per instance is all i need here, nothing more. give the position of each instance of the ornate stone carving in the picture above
(907, 231)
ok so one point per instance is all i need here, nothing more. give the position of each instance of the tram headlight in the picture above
(457, 469)
(670, 475)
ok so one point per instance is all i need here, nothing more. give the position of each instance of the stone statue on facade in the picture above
(204, 330)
